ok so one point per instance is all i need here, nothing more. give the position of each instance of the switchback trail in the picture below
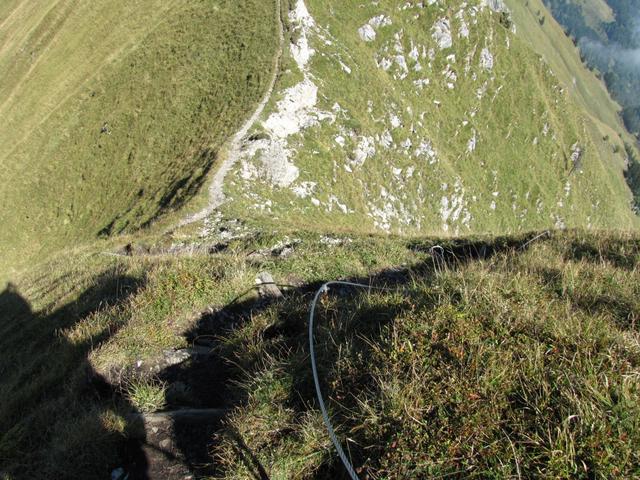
(216, 193)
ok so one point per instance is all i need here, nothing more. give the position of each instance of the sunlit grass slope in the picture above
(519, 362)
(442, 119)
(547, 38)
(114, 111)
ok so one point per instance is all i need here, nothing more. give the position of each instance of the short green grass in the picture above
(66, 323)
(146, 394)
(114, 112)
(522, 364)
(550, 41)
(168, 90)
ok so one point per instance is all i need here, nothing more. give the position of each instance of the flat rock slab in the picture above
(172, 448)
(142, 425)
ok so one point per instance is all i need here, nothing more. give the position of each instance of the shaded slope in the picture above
(491, 356)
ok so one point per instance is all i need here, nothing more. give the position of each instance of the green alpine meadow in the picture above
(433, 202)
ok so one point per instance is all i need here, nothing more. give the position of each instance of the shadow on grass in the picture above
(42, 370)
(288, 333)
(621, 253)
(45, 384)
(247, 457)
(177, 193)
(618, 304)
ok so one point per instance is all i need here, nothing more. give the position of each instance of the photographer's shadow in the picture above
(51, 414)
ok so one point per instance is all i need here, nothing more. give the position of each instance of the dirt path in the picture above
(216, 193)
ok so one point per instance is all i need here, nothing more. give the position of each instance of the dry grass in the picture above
(494, 361)
(517, 365)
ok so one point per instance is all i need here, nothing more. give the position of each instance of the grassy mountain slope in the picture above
(504, 357)
(414, 118)
(610, 47)
(492, 357)
(115, 111)
(548, 39)
(515, 365)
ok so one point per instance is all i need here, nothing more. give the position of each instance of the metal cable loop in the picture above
(314, 369)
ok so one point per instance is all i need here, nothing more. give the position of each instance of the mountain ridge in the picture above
(402, 146)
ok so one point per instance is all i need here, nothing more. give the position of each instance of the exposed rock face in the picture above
(295, 112)
(495, 5)
(486, 59)
(380, 21)
(442, 34)
(365, 149)
(374, 120)
(267, 286)
(367, 33)
(576, 157)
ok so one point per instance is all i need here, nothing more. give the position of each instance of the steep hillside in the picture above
(547, 38)
(395, 117)
(141, 340)
(113, 112)
(609, 42)
(416, 117)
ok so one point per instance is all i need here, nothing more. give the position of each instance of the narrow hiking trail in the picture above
(234, 149)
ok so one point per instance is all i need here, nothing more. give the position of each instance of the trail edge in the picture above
(216, 192)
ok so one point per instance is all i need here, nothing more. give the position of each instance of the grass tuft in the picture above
(147, 395)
